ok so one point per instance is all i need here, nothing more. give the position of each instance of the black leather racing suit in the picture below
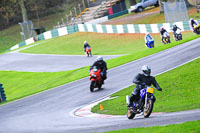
(174, 28)
(141, 80)
(162, 33)
(85, 46)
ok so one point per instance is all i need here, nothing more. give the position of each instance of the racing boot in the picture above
(132, 99)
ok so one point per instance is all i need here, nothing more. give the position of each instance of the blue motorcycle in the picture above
(150, 43)
(143, 104)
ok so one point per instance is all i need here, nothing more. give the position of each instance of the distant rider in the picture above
(85, 45)
(162, 31)
(141, 80)
(192, 24)
(175, 28)
(101, 64)
(147, 38)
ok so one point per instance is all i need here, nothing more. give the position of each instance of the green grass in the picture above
(21, 84)
(181, 91)
(187, 127)
(100, 43)
(104, 44)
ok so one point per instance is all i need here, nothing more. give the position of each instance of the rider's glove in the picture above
(159, 89)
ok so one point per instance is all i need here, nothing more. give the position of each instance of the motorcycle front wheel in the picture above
(130, 114)
(92, 86)
(148, 109)
(100, 85)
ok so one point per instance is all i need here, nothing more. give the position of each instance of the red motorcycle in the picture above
(88, 51)
(95, 77)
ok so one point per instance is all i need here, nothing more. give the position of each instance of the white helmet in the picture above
(99, 58)
(146, 70)
(161, 28)
(85, 41)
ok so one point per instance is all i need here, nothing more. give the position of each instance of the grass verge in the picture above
(187, 127)
(181, 91)
(106, 44)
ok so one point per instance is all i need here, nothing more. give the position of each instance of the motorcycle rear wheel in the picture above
(148, 110)
(130, 114)
(198, 31)
(168, 40)
(92, 86)
(180, 37)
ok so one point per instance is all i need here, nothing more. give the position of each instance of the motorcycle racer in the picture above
(174, 28)
(147, 39)
(192, 23)
(85, 45)
(141, 80)
(101, 64)
(162, 31)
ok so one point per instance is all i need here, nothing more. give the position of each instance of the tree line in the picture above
(14, 11)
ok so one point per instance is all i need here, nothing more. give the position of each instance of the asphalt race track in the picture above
(53, 110)
(45, 62)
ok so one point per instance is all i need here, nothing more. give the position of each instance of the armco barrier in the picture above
(131, 28)
(127, 28)
(48, 35)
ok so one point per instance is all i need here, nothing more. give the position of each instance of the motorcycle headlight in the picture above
(93, 75)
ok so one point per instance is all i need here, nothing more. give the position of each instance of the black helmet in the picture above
(174, 25)
(146, 70)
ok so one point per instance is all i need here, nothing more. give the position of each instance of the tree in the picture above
(36, 6)
(7, 10)
(161, 6)
(132, 2)
(24, 12)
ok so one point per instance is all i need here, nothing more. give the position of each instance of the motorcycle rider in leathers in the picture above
(85, 45)
(147, 38)
(162, 31)
(141, 80)
(101, 64)
(192, 23)
(175, 28)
